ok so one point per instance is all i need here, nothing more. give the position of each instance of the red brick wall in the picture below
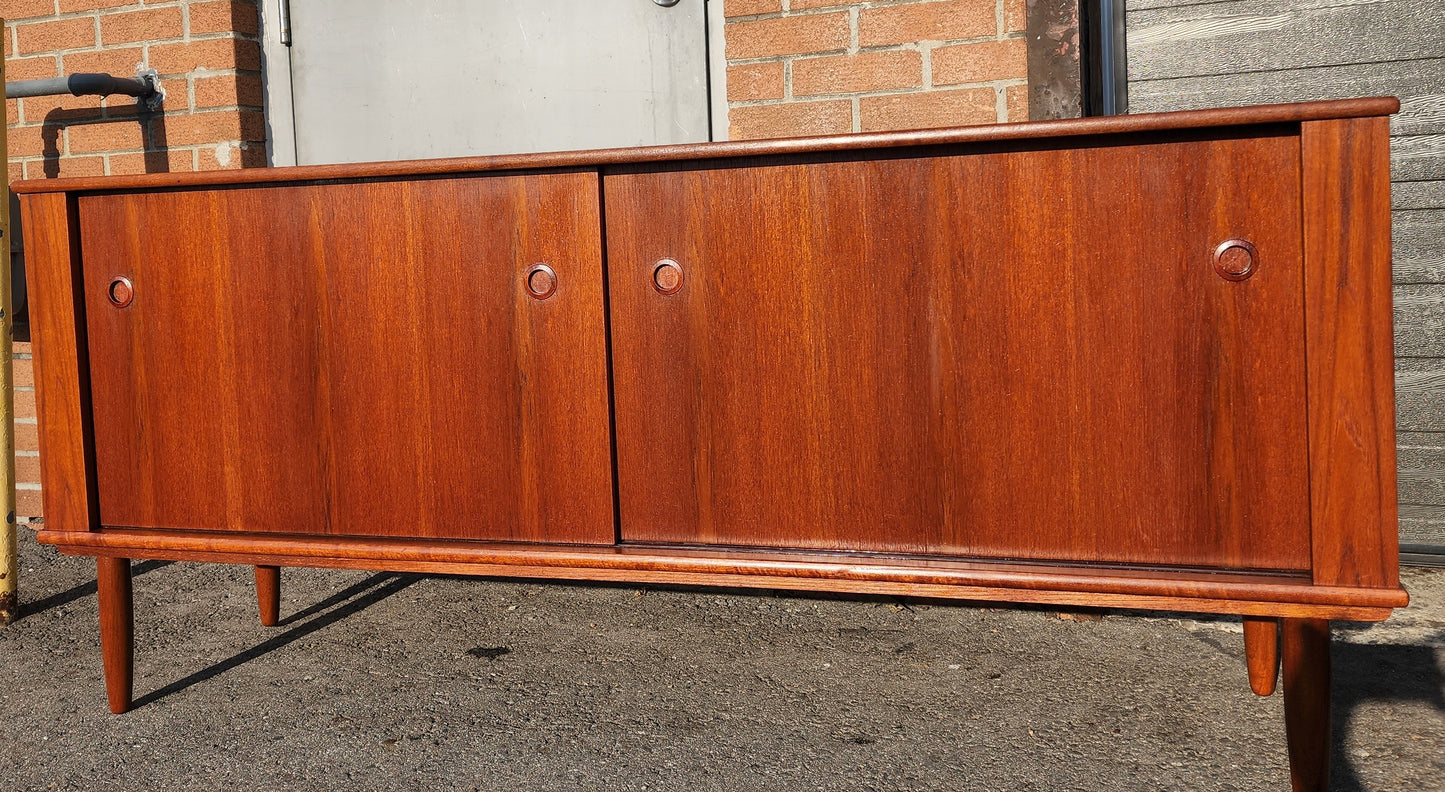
(797, 67)
(209, 58)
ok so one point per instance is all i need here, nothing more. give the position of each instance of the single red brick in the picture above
(17, 171)
(752, 81)
(765, 38)
(243, 88)
(28, 504)
(27, 437)
(196, 129)
(40, 68)
(869, 71)
(22, 374)
(63, 34)
(168, 161)
(1015, 16)
(152, 24)
(225, 17)
(122, 61)
(984, 61)
(34, 141)
(226, 156)
(1016, 97)
(24, 402)
(790, 119)
(737, 8)
(123, 135)
(36, 109)
(928, 109)
(23, 9)
(12, 112)
(67, 6)
(27, 469)
(214, 54)
(940, 21)
(71, 167)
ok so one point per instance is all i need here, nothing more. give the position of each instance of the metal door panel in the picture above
(381, 80)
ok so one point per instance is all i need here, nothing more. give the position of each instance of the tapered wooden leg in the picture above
(1261, 653)
(117, 629)
(268, 594)
(1306, 645)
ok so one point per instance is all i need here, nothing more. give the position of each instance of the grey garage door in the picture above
(1184, 54)
(387, 80)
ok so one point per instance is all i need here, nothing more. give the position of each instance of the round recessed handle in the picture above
(1235, 259)
(667, 276)
(541, 281)
(120, 292)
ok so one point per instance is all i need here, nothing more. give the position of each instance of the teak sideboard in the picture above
(1131, 362)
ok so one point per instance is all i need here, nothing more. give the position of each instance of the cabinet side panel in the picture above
(1354, 516)
(61, 374)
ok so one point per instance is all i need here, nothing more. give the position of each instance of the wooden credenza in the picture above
(1135, 362)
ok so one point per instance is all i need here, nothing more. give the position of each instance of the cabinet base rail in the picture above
(1070, 585)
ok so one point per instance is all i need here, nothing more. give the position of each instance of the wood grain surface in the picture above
(353, 358)
(268, 594)
(1261, 653)
(1305, 645)
(1353, 507)
(62, 370)
(986, 354)
(117, 629)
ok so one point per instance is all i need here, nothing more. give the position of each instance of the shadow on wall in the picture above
(153, 130)
(1368, 673)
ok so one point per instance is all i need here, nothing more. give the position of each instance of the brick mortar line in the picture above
(833, 9)
(187, 149)
(144, 44)
(65, 16)
(132, 116)
(921, 45)
(97, 14)
(167, 150)
(1003, 83)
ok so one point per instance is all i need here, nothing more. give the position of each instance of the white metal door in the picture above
(383, 80)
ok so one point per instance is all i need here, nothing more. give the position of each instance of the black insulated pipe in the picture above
(144, 87)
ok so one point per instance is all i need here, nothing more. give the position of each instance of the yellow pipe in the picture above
(9, 555)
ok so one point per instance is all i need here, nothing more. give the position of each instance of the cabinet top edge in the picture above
(1033, 130)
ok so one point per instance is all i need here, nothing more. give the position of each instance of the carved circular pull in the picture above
(120, 292)
(541, 281)
(1235, 259)
(667, 276)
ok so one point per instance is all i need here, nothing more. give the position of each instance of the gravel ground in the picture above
(398, 682)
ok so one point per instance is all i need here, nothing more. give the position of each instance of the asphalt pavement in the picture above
(377, 681)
